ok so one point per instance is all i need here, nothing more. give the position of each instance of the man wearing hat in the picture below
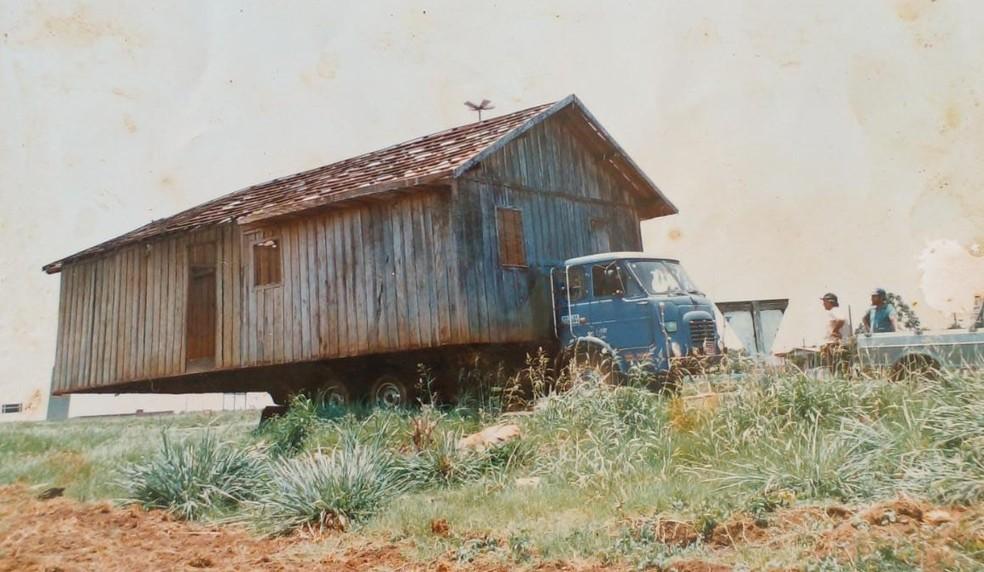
(881, 316)
(835, 334)
(837, 328)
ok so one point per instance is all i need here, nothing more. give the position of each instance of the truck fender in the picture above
(592, 342)
(696, 315)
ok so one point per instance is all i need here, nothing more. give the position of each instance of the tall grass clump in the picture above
(328, 490)
(386, 427)
(849, 439)
(803, 459)
(595, 434)
(930, 443)
(287, 433)
(485, 392)
(194, 478)
(442, 463)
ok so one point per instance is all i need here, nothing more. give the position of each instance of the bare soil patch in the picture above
(60, 534)
(64, 535)
(935, 533)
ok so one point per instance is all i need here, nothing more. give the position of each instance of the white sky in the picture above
(810, 146)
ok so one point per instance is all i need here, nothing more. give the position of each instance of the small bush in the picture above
(804, 461)
(195, 478)
(287, 433)
(596, 434)
(441, 463)
(328, 491)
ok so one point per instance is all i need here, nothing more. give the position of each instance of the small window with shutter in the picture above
(266, 262)
(512, 250)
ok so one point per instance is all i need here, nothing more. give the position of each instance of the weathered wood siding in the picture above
(573, 204)
(122, 316)
(359, 280)
(364, 279)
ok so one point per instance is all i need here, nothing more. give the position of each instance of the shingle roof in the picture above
(420, 159)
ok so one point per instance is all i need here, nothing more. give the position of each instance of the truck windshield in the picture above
(662, 277)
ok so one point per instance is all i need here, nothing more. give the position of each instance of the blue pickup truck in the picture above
(619, 309)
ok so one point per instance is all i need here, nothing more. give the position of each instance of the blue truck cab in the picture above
(636, 308)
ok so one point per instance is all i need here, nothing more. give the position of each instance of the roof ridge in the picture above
(329, 179)
(448, 131)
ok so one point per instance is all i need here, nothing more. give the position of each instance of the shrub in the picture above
(328, 490)
(595, 434)
(441, 463)
(801, 459)
(288, 434)
(928, 444)
(194, 478)
(484, 391)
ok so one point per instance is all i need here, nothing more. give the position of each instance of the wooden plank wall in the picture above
(372, 278)
(413, 271)
(122, 315)
(567, 195)
(359, 280)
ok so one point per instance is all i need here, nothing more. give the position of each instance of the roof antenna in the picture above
(484, 106)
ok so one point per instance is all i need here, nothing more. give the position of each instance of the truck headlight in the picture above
(670, 327)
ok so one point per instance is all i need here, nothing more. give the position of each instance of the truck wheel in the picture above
(390, 391)
(668, 383)
(591, 363)
(279, 397)
(915, 367)
(335, 394)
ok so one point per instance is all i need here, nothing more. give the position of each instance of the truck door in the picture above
(573, 315)
(619, 312)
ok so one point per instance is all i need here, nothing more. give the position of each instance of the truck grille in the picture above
(702, 331)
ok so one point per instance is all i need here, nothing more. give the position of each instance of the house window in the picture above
(266, 262)
(12, 407)
(512, 250)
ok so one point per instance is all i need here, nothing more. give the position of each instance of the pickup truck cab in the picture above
(903, 353)
(634, 309)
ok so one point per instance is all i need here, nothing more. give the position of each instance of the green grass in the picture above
(603, 457)
(85, 455)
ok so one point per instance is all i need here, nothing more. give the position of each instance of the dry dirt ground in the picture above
(65, 535)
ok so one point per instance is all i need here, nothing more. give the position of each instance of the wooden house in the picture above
(347, 271)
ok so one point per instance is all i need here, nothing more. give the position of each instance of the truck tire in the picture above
(390, 390)
(271, 412)
(335, 394)
(668, 383)
(593, 364)
(915, 367)
(279, 397)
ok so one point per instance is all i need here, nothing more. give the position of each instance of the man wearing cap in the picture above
(881, 316)
(837, 331)
(837, 328)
